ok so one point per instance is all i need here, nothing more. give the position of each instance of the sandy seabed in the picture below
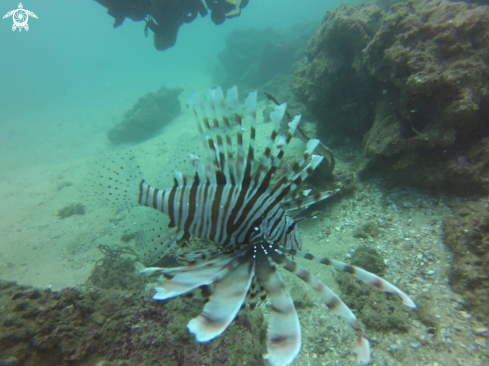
(45, 168)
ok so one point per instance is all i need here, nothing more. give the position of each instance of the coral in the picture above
(467, 235)
(148, 115)
(413, 81)
(71, 209)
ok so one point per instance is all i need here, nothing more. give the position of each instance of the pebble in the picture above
(481, 342)
(415, 345)
(480, 330)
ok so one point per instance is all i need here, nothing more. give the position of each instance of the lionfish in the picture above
(241, 204)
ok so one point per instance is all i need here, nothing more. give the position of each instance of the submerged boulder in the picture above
(148, 115)
(412, 81)
(328, 81)
(253, 57)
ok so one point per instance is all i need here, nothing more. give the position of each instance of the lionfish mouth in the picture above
(240, 205)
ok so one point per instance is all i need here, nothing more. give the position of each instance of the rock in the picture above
(253, 57)
(467, 236)
(328, 83)
(148, 115)
(119, 327)
(412, 81)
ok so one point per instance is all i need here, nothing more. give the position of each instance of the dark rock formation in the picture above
(252, 57)
(45, 328)
(328, 82)
(145, 119)
(467, 235)
(413, 81)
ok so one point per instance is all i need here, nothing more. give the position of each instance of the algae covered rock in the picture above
(412, 81)
(467, 235)
(328, 82)
(148, 115)
(44, 328)
(253, 57)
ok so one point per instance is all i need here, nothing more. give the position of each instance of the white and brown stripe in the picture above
(223, 206)
(232, 202)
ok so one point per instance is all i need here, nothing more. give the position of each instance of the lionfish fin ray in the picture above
(330, 299)
(284, 331)
(374, 281)
(188, 278)
(226, 300)
(305, 201)
(363, 275)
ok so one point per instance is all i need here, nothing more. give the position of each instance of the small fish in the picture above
(241, 205)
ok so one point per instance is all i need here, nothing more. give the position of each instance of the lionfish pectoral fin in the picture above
(186, 282)
(186, 279)
(362, 350)
(199, 256)
(226, 300)
(331, 300)
(284, 330)
(379, 283)
(363, 275)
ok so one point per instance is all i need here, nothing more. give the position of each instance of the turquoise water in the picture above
(71, 77)
(72, 67)
(72, 58)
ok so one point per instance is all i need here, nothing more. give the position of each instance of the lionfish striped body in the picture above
(240, 205)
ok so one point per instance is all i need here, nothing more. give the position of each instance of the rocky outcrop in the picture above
(253, 57)
(112, 327)
(148, 115)
(413, 82)
(329, 82)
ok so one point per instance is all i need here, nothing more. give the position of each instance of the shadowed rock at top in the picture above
(253, 57)
(413, 81)
(148, 115)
